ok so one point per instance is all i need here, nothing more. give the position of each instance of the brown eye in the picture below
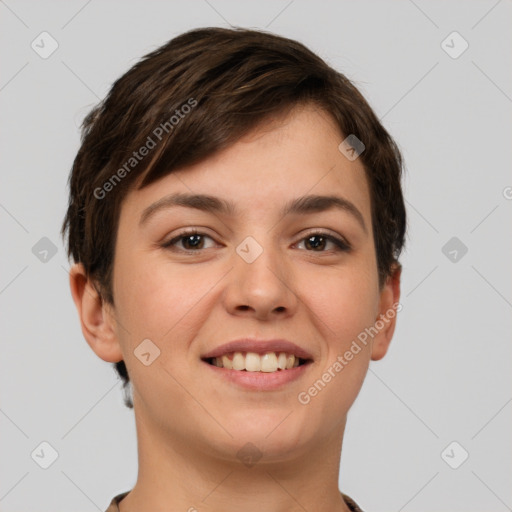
(191, 241)
(317, 242)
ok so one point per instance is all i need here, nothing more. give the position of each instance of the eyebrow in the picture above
(302, 206)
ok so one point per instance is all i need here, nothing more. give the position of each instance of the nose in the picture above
(261, 288)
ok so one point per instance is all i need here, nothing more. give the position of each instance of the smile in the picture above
(245, 375)
(269, 362)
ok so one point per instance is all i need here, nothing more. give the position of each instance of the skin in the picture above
(190, 423)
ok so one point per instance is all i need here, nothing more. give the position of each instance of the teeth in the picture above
(269, 362)
(226, 362)
(238, 361)
(252, 362)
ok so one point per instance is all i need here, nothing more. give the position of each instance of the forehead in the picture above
(284, 158)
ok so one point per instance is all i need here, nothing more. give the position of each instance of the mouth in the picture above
(268, 362)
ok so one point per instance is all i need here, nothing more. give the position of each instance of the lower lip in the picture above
(260, 381)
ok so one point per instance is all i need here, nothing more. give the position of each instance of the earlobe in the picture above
(388, 310)
(98, 326)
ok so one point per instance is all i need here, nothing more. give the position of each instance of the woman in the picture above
(235, 221)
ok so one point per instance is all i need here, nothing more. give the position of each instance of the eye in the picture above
(318, 241)
(192, 241)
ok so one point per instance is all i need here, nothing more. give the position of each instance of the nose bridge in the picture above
(256, 257)
(260, 278)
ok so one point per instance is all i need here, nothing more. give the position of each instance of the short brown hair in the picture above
(229, 80)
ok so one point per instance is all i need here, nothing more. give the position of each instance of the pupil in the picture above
(197, 239)
(317, 237)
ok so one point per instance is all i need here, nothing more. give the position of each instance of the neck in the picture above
(175, 474)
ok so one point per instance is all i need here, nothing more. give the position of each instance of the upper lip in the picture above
(259, 347)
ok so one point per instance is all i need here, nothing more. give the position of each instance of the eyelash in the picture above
(340, 244)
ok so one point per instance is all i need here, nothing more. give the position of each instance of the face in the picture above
(308, 276)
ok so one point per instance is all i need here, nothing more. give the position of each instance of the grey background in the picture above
(447, 376)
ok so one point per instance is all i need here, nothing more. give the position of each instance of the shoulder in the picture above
(352, 505)
(114, 504)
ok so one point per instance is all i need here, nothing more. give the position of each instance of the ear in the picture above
(388, 309)
(96, 317)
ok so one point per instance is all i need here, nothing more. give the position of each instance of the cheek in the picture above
(343, 309)
(166, 310)
(343, 303)
(155, 301)
(165, 303)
